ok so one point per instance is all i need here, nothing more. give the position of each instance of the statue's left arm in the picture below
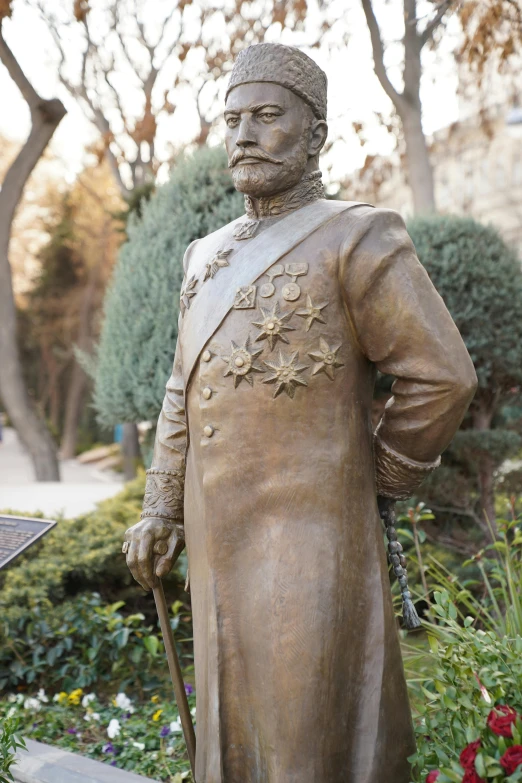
(403, 326)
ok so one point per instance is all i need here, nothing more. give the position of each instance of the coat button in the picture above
(206, 356)
(207, 393)
(208, 431)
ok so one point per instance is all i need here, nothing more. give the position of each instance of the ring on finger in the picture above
(125, 547)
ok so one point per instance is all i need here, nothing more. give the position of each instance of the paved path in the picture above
(81, 487)
(45, 764)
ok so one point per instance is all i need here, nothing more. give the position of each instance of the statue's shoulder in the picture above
(350, 209)
(214, 240)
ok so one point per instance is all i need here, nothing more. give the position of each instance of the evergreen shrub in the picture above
(77, 555)
(84, 643)
(141, 308)
(480, 279)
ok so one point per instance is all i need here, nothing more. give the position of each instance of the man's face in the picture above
(267, 138)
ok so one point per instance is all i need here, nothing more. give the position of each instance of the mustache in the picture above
(264, 157)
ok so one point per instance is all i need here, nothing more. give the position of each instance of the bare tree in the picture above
(186, 51)
(407, 103)
(489, 29)
(45, 118)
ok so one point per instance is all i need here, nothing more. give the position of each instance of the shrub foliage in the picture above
(480, 279)
(141, 308)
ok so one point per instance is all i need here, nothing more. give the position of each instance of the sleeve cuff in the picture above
(397, 476)
(164, 490)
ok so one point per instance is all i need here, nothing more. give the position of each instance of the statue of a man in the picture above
(265, 462)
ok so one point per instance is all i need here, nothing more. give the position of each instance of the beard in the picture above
(268, 179)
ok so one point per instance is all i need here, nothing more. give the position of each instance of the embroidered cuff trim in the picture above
(397, 476)
(164, 490)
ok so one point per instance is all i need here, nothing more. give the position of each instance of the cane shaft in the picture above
(176, 675)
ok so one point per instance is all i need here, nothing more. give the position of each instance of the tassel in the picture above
(410, 617)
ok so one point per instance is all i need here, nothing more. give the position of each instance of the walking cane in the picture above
(175, 674)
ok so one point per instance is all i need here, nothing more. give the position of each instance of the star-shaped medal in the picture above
(273, 326)
(312, 312)
(287, 374)
(242, 362)
(218, 262)
(187, 292)
(326, 359)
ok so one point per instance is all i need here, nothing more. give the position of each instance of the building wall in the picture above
(478, 172)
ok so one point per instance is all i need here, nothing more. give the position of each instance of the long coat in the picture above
(299, 676)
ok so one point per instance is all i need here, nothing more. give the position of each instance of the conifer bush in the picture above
(141, 308)
(480, 279)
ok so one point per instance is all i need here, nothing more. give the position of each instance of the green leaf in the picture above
(151, 645)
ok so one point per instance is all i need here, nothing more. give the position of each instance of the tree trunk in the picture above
(45, 116)
(78, 380)
(420, 171)
(482, 419)
(407, 103)
(73, 409)
(131, 451)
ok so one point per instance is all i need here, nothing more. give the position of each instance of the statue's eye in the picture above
(268, 116)
(232, 122)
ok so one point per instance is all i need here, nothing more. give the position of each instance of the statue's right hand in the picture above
(154, 545)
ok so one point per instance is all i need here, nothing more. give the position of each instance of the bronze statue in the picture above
(266, 462)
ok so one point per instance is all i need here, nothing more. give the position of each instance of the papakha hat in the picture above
(284, 65)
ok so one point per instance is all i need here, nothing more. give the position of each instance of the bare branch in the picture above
(17, 75)
(378, 53)
(429, 30)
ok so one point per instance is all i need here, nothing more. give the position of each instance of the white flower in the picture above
(11, 711)
(113, 728)
(95, 716)
(193, 712)
(11, 698)
(32, 704)
(175, 726)
(88, 698)
(19, 698)
(123, 702)
(91, 716)
(139, 745)
(169, 751)
(56, 697)
(41, 696)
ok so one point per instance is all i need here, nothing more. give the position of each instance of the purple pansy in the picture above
(72, 731)
(188, 689)
(109, 748)
(165, 731)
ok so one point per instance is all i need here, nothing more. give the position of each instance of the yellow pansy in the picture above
(155, 699)
(157, 715)
(62, 697)
(75, 696)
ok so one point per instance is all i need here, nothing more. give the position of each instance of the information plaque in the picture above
(19, 533)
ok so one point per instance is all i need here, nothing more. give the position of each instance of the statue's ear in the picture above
(317, 137)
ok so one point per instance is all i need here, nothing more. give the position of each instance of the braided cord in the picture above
(398, 561)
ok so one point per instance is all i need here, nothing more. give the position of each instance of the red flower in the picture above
(432, 776)
(470, 776)
(512, 759)
(501, 719)
(468, 755)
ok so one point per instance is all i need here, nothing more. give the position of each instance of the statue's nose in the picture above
(246, 134)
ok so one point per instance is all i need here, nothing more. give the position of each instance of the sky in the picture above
(354, 92)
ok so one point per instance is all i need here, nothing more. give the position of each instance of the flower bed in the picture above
(145, 738)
